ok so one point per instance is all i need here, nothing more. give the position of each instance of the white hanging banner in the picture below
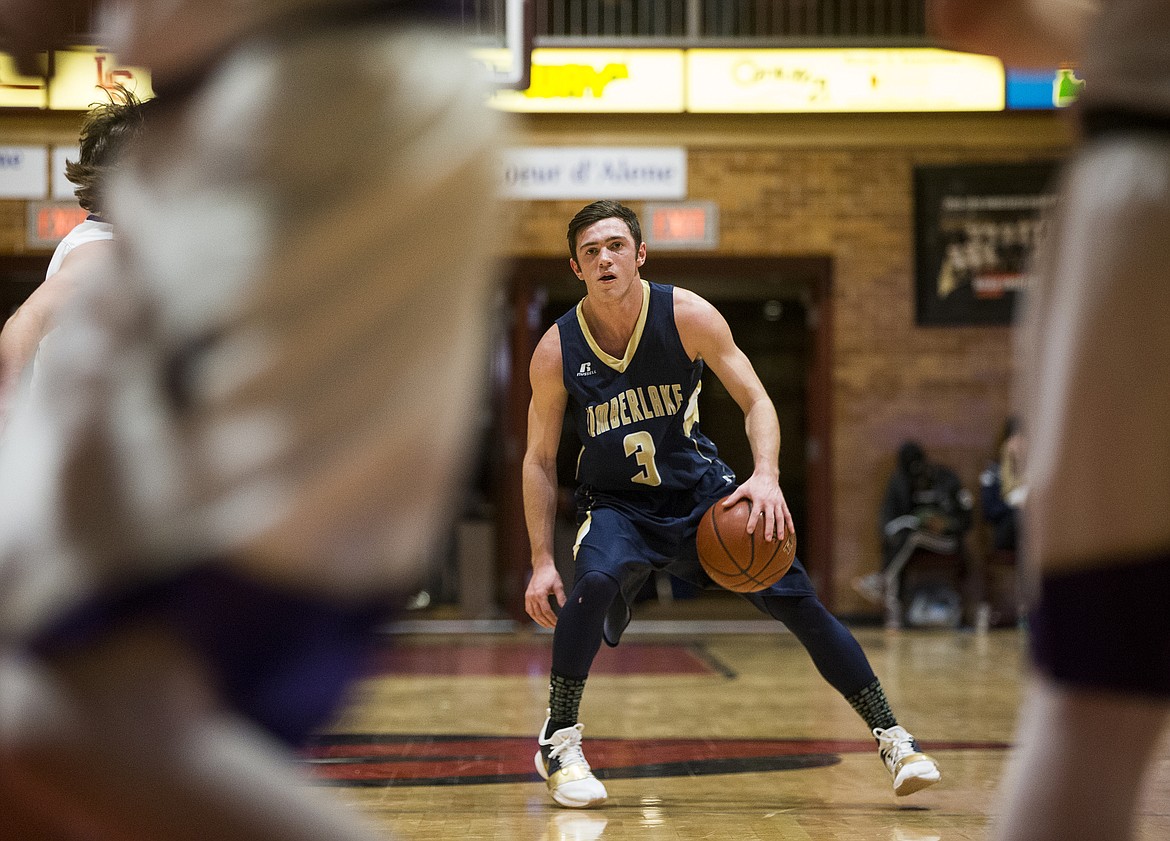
(24, 172)
(594, 172)
(62, 187)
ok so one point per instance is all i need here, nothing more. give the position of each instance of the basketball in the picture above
(736, 560)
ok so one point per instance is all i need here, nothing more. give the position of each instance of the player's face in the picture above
(608, 258)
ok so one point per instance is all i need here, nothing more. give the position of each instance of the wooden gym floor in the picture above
(715, 737)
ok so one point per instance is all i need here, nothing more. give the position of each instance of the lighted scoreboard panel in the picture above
(758, 81)
(657, 80)
(615, 81)
(842, 80)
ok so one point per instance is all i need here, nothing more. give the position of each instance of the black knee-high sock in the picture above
(871, 705)
(564, 701)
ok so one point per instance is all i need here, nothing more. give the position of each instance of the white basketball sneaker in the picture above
(570, 779)
(911, 769)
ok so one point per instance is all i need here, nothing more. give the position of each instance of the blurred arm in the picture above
(1036, 33)
(31, 26)
(33, 320)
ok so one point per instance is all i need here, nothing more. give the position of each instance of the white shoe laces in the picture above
(894, 743)
(567, 750)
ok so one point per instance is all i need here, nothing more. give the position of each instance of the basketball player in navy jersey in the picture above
(626, 363)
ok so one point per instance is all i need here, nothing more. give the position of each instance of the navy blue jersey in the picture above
(647, 473)
(638, 417)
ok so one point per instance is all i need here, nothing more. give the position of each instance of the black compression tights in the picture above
(580, 622)
(834, 651)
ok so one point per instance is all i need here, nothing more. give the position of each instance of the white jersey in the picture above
(1095, 348)
(283, 366)
(91, 230)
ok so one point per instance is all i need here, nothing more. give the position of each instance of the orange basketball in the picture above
(736, 560)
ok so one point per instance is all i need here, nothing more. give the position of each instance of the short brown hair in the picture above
(107, 130)
(597, 211)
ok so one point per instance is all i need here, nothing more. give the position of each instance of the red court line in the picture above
(422, 757)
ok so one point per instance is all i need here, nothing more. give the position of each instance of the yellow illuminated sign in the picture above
(759, 81)
(84, 77)
(573, 80)
(843, 80)
(643, 81)
(18, 91)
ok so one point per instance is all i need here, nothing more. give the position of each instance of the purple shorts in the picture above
(1107, 628)
(280, 658)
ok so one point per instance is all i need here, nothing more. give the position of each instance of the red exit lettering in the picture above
(55, 222)
(680, 224)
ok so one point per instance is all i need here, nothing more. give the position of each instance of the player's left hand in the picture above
(768, 507)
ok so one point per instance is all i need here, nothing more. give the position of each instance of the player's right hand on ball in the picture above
(545, 582)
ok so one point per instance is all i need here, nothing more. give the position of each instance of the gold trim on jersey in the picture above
(581, 532)
(618, 365)
(691, 417)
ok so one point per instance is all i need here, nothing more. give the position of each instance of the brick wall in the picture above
(843, 188)
(807, 185)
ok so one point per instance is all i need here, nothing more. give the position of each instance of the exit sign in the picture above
(686, 225)
(50, 221)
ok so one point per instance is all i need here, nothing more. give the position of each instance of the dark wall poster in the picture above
(976, 227)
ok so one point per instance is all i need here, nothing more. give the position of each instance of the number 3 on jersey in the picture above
(641, 446)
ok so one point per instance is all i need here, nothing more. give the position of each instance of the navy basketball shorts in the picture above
(1106, 628)
(279, 658)
(628, 545)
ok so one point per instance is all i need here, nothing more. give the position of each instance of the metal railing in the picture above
(694, 22)
(700, 22)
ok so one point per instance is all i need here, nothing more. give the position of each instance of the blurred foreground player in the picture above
(625, 365)
(253, 421)
(105, 134)
(1095, 356)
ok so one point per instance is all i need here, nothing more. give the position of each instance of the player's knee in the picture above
(595, 589)
(797, 612)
